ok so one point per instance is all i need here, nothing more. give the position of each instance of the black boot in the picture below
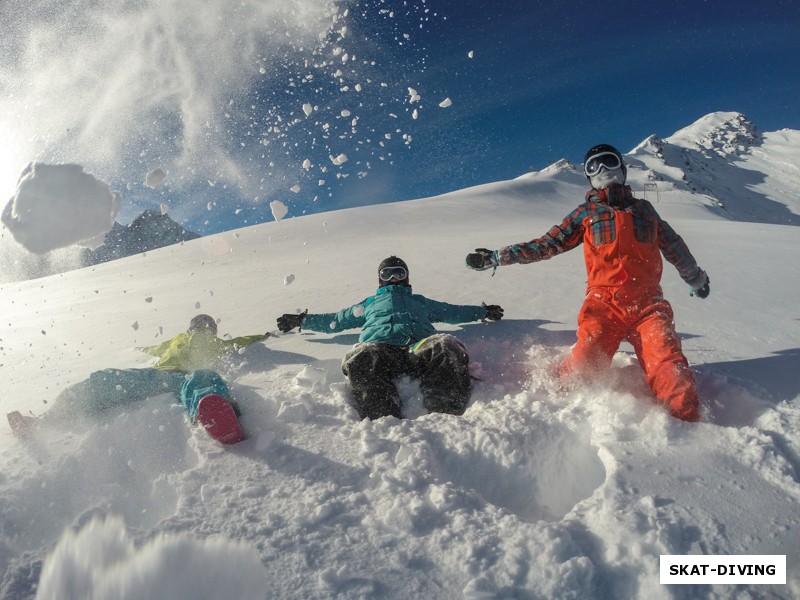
(371, 369)
(442, 365)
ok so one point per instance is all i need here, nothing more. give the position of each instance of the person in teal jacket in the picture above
(184, 368)
(398, 338)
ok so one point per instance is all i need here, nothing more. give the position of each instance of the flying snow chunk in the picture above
(306, 164)
(288, 279)
(445, 103)
(155, 178)
(279, 209)
(339, 160)
(295, 188)
(413, 96)
(415, 114)
(122, 567)
(308, 109)
(470, 54)
(56, 206)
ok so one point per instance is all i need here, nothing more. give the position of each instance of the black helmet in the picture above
(201, 322)
(393, 271)
(593, 167)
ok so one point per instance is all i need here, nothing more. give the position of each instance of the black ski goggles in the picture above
(595, 163)
(393, 273)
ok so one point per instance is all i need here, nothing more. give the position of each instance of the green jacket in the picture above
(394, 315)
(189, 352)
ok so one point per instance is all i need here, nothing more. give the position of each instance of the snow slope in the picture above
(530, 494)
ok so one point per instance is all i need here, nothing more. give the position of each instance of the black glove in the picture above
(288, 322)
(493, 312)
(481, 259)
(702, 292)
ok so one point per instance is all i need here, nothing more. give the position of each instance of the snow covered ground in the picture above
(530, 494)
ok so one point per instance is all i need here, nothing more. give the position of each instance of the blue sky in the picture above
(546, 80)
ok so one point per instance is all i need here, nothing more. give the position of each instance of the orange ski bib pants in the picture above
(624, 301)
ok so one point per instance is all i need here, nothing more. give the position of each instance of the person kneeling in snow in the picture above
(623, 239)
(398, 338)
(183, 368)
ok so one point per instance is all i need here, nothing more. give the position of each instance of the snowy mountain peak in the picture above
(148, 231)
(651, 145)
(559, 166)
(720, 133)
(722, 162)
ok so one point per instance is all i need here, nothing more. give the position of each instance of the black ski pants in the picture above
(440, 362)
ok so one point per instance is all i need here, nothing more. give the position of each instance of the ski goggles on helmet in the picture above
(595, 163)
(393, 273)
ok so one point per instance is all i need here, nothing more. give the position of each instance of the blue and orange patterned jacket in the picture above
(614, 255)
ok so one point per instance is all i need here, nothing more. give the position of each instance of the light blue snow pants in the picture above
(198, 384)
(108, 388)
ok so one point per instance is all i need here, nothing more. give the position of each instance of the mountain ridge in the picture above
(148, 231)
(721, 162)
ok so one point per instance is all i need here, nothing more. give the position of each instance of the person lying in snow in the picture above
(183, 368)
(623, 239)
(398, 338)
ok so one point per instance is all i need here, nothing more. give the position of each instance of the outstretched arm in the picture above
(677, 253)
(158, 349)
(558, 239)
(246, 340)
(348, 318)
(442, 312)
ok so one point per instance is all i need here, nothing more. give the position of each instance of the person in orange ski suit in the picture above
(623, 240)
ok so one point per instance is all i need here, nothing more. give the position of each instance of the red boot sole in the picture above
(218, 418)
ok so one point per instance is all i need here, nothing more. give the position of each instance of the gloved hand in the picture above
(289, 321)
(702, 291)
(481, 259)
(493, 311)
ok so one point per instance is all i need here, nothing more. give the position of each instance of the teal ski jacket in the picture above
(395, 316)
